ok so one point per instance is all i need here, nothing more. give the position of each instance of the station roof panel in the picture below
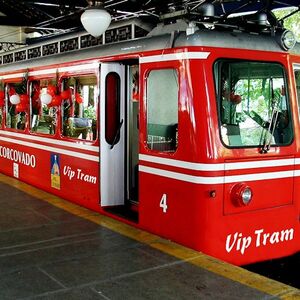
(50, 16)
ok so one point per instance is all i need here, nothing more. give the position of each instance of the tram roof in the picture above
(201, 38)
(191, 17)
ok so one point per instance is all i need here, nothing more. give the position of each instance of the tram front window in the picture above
(253, 104)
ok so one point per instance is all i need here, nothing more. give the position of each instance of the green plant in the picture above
(292, 23)
(45, 109)
(89, 112)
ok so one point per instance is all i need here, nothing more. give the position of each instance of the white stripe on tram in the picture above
(174, 56)
(260, 164)
(219, 166)
(182, 163)
(259, 176)
(75, 144)
(52, 149)
(218, 179)
(182, 177)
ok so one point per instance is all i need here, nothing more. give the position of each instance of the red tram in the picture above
(190, 134)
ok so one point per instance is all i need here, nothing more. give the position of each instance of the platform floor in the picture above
(52, 249)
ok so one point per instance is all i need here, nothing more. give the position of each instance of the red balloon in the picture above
(236, 99)
(66, 94)
(2, 94)
(24, 98)
(56, 100)
(78, 98)
(21, 107)
(2, 102)
(51, 89)
(135, 96)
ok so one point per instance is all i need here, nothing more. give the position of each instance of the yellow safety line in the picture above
(199, 259)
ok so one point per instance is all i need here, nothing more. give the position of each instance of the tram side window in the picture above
(16, 105)
(79, 113)
(297, 79)
(162, 110)
(43, 112)
(253, 103)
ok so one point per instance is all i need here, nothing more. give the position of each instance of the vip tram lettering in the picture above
(240, 243)
(79, 175)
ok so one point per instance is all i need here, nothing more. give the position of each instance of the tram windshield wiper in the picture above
(269, 131)
(116, 138)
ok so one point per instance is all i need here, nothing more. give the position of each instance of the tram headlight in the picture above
(246, 196)
(287, 40)
(241, 194)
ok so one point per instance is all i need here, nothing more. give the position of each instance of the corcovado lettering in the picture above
(18, 156)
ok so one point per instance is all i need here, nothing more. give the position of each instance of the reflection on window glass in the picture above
(162, 110)
(253, 104)
(17, 105)
(79, 113)
(43, 113)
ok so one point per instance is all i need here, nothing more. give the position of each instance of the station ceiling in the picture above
(64, 15)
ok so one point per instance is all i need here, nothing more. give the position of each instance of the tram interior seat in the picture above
(78, 126)
(162, 137)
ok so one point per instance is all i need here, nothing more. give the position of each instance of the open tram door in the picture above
(119, 137)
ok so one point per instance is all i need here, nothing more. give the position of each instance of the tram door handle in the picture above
(117, 135)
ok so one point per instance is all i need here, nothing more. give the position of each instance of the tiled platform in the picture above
(52, 249)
